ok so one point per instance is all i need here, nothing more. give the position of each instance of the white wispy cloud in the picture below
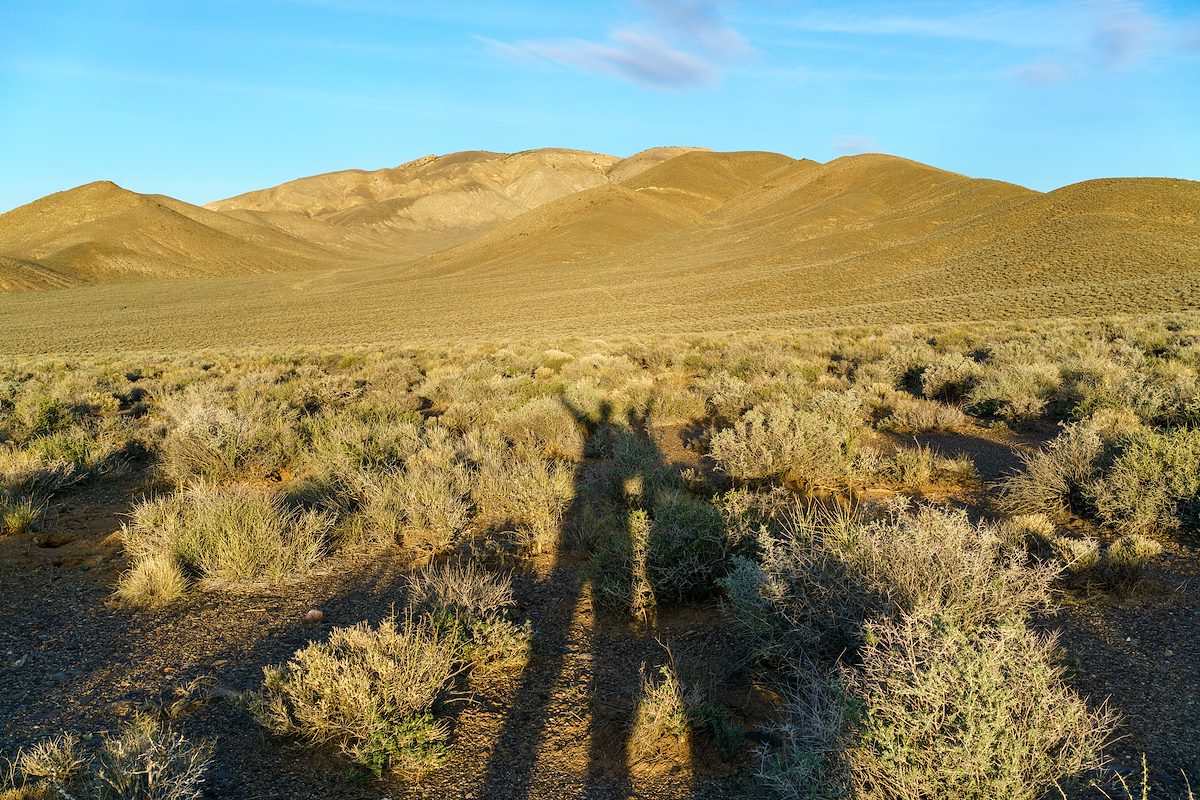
(679, 44)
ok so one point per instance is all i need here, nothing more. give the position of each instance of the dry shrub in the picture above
(1126, 559)
(934, 562)
(967, 713)
(18, 514)
(466, 589)
(813, 731)
(231, 534)
(949, 377)
(371, 692)
(425, 505)
(543, 428)
(470, 603)
(1154, 483)
(143, 761)
(661, 721)
(815, 445)
(531, 494)
(908, 414)
(822, 575)
(1058, 479)
(223, 437)
(1016, 391)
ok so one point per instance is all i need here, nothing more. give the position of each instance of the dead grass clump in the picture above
(466, 589)
(370, 692)
(967, 713)
(231, 534)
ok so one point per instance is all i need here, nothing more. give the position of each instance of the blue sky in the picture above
(202, 99)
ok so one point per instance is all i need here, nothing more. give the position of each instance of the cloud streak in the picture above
(679, 44)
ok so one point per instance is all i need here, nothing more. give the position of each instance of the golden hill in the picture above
(99, 232)
(663, 241)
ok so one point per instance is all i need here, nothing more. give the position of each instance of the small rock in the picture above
(1168, 652)
(59, 677)
(314, 617)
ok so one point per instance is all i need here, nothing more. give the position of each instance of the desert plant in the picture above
(530, 494)
(231, 534)
(813, 732)
(662, 718)
(949, 377)
(18, 514)
(985, 713)
(1059, 478)
(221, 437)
(142, 761)
(148, 762)
(686, 548)
(1154, 483)
(371, 692)
(814, 445)
(1125, 560)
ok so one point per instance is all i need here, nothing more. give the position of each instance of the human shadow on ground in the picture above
(617, 479)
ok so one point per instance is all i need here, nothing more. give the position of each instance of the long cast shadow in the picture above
(620, 460)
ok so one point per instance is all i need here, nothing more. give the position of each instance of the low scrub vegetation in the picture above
(793, 481)
(225, 534)
(143, 761)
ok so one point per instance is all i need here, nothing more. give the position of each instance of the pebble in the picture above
(314, 616)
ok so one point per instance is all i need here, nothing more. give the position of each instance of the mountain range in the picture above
(752, 236)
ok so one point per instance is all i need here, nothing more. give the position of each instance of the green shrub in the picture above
(686, 549)
(371, 692)
(230, 534)
(983, 713)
